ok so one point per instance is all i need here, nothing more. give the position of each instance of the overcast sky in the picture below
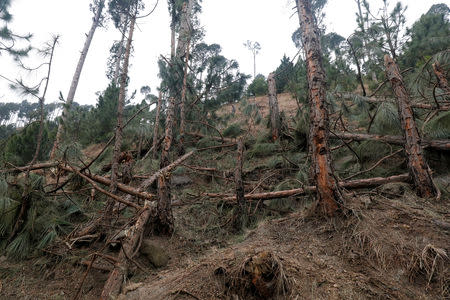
(229, 23)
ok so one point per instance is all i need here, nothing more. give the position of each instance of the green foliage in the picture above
(233, 131)
(263, 150)
(258, 87)
(439, 127)
(284, 74)
(387, 120)
(20, 148)
(46, 219)
(429, 35)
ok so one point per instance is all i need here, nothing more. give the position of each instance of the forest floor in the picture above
(386, 244)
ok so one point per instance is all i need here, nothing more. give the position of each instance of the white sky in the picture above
(229, 23)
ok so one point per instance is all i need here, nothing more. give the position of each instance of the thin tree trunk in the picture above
(442, 79)
(418, 167)
(275, 121)
(76, 78)
(358, 67)
(239, 215)
(156, 127)
(181, 149)
(120, 106)
(172, 39)
(328, 192)
(26, 197)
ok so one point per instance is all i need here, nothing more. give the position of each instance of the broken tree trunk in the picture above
(391, 139)
(442, 79)
(185, 28)
(76, 77)
(418, 167)
(156, 127)
(239, 213)
(350, 96)
(106, 181)
(328, 192)
(130, 247)
(352, 184)
(275, 120)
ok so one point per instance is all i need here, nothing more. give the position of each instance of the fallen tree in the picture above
(391, 139)
(375, 100)
(352, 184)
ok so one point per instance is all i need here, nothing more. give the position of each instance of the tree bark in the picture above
(275, 120)
(239, 214)
(156, 127)
(443, 145)
(328, 192)
(352, 184)
(183, 105)
(418, 167)
(185, 29)
(441, 77)
(76, 78)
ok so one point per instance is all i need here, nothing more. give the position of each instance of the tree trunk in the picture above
(275, 120)
(239, 215)
(121, 103)
(352, 184)
(172, 39)
(130, 245)
(185, 29)
(163, 221)
(442, 79)
(156, 127)
(183, 105)
(328, 192)
(76, 78)
(358, 67)
(119, 54)
(418, 168)
(443, 145)
(26, 197)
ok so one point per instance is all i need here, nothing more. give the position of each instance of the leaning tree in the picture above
(327, 189)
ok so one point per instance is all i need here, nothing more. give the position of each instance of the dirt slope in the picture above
(383, 249)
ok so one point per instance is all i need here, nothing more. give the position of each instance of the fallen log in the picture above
(375, 100)
(31, 168)
(130, 247)
(105, 181)
(352, 184)
(217, 138)
(109, 194)
(391, 139)
(148, 182)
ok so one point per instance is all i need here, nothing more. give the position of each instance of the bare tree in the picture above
(76, 77)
